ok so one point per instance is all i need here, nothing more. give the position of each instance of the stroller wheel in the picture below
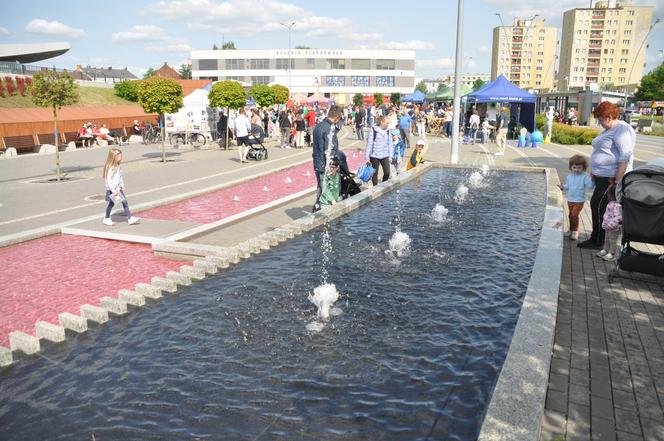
(259, 155)
(265, 154)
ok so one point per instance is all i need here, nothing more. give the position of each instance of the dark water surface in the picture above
(415, 354)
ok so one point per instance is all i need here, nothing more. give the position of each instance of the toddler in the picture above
(398, 152)
(575, 188)
(418, 155)
(330, 182)
(612, 222)
(115, 187)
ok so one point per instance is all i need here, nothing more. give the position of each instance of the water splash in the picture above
(439, 213)
(461, 193)
(475, 179)
(485, 169)
(265, 188)
(236, 198)
(324, 297)
(288, 180)
(399, 244)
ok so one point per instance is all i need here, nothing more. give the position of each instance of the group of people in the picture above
(89, 134)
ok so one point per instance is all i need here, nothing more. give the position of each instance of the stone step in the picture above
(6, 357)
(131, 297)
(94, 313)
(73, 322)
(206, 266)
(164, 284)
(49, 331)
(20, 341)
(179, 278)
(219, 261)
(193, 273)
(111, 304)
(149, 291)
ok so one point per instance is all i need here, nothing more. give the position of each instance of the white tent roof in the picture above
(198, 97)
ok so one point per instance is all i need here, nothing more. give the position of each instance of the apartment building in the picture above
(604, 45)
(525, 53)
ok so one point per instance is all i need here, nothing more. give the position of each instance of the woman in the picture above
(299, 131)
(611, 158)
(379, 148)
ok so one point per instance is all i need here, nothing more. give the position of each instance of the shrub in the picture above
(2, 90)
(564, 134)
(127, 90)
(28, 82)
(9, 85)
(540, 122)
(20, 84)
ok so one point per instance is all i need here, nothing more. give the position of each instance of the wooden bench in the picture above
(72, 137)
(46, 138)
(22, 143)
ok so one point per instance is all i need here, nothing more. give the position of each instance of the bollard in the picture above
(73, 322)
(49, 331)
(20, 341)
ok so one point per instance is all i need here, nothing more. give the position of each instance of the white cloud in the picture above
(362, 36)
(175, 48)
(483, 49)
(39, 26)
(434, 64)
(4, 31)
(138, 33)
(407, 45)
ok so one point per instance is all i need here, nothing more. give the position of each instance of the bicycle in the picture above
(150, 134)
(195, 139)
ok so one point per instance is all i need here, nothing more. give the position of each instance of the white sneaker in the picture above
(607, 257)
(133, 220)
(573, 235)
(499, 154)
(107, 221)
(602, 253)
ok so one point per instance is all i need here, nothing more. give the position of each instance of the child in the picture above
(418, 155)
(575, 187)
(330, 182)
(115, 187)
(611, 223)
(398, 152)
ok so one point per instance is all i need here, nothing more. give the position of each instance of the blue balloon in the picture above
(537, 136)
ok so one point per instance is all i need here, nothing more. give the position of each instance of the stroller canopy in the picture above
(644, 184)
(641, 194)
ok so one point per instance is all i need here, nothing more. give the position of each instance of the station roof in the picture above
(31, 53)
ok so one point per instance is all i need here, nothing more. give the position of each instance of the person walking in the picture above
(115, 187)
(501, 131)
(473, 124)
(549, 114)
(360, 118)
(405, 122)
(379, 148)
(242, 129)
(299, 131)
(285, 128)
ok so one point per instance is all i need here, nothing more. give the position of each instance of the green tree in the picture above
(263, 95)
(185, 71)
(395, 98)
(421, 87)
(229, 94)
(214, 47)
(652, 85)
(478, 83)
(358, 99)
(127, 89)
(54, 90)
(378, 99)
(441, 87)
(150, 72)
(281, 93)
(228, 45)
(160, 95)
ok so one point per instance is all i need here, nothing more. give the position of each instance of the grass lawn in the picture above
(89, 96)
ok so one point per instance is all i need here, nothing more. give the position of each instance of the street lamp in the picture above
(290, 28)
(637, 55)
(456, 111)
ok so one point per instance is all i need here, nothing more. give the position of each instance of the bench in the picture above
(644, 125)
(46, 138)
(22, 143)
(119, 131)
(70, 137)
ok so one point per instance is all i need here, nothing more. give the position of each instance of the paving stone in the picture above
(653, 430)
(603, 429)
(579, 394)
(600, 383)
(579, 376)
(602, 407)
(20, 341)
(49, 331)
(179, 278)
(556, 401)
(193, 273)
(73, 322)
(578, 422)
(111, 304)
(6, 357)
(627, 421)
(206, 266)
(553, 423)
(165, 285)
(94, 313)
(131, 297)
(559, 366)
(558, 382)
(626, 436)
(623, 399)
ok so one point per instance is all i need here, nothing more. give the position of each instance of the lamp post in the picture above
(456, 110)
(290, 28)
(637, 55)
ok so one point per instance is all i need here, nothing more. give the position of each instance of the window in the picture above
(336, 63)
(282, 63)
(385, 65)
(623, 61)
(385, 81)
(360, 63)
(260, 80)
(207, 64)
(260, 63)
(629, 22)
(626, 42)
(311, 63)
(622, 70)
(335, 81)
(359, 81)
(627, 32)
(233, 64)
(630, 13)
(624, 52)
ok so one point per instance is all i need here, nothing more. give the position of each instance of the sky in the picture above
(141, 34)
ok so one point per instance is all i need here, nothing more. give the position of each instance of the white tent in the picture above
(195, 116)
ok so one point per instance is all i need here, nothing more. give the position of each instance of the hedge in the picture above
(568, 135)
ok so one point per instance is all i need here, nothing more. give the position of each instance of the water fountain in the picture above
(475, 179)
(439, 213)
(485, 169)
(399, 244)
(265, 188)
(288, 180)
(461, 193)
(236, 198)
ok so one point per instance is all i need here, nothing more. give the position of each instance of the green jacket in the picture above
(331, 189)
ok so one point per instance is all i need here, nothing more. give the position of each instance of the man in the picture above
(311, 122)
(242, 129)
(326, 146)
(222, 129)
(405, 121)
(549, 122)
(285, 128)
(360, 116)
(501, 130)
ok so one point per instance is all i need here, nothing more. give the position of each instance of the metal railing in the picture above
(25, 69)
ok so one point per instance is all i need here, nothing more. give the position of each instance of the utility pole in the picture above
(290, 28)
(456, 109)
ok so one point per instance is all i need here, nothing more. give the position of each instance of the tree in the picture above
(55, 90)
(263, 95)
(395, 98)
(441, 87)
(478, 83)
(127, 90)
(281, 93)
(228, 45)
(229, 94)
(185, 71)
(378, 99)
(358, 99)
(160, 95)
(652, 85)
(214, 47)
(150, 72)
(421, 87)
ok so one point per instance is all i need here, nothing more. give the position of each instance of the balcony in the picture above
(594, 53)
(517, 39)
(517, 31)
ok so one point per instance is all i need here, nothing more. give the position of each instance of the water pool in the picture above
(414, 354)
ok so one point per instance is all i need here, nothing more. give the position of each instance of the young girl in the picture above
(575, 188)
(611, 223)
(115, 187)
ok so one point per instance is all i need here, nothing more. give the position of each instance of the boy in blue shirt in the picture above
(575, 188)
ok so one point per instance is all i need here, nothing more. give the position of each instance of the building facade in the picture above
(467, 79)
(335, 73)
(525, 53)
(604, 45)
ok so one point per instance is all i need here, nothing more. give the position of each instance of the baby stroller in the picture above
(257, 150)
(641, 194)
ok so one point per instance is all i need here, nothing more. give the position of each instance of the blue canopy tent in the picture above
(415, 97)
(503, 91)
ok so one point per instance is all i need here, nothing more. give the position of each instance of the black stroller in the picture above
(641, 194)
(257, 150)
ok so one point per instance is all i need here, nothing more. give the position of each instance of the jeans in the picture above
(473, 134)
(360, 131)
(111, 204)
(385, 164)
(598, 203)
(285, 136)
(447, 128)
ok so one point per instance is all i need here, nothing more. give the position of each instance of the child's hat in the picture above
(420, 142)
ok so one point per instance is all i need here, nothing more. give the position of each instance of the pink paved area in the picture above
(59, 273)
(220, 204)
